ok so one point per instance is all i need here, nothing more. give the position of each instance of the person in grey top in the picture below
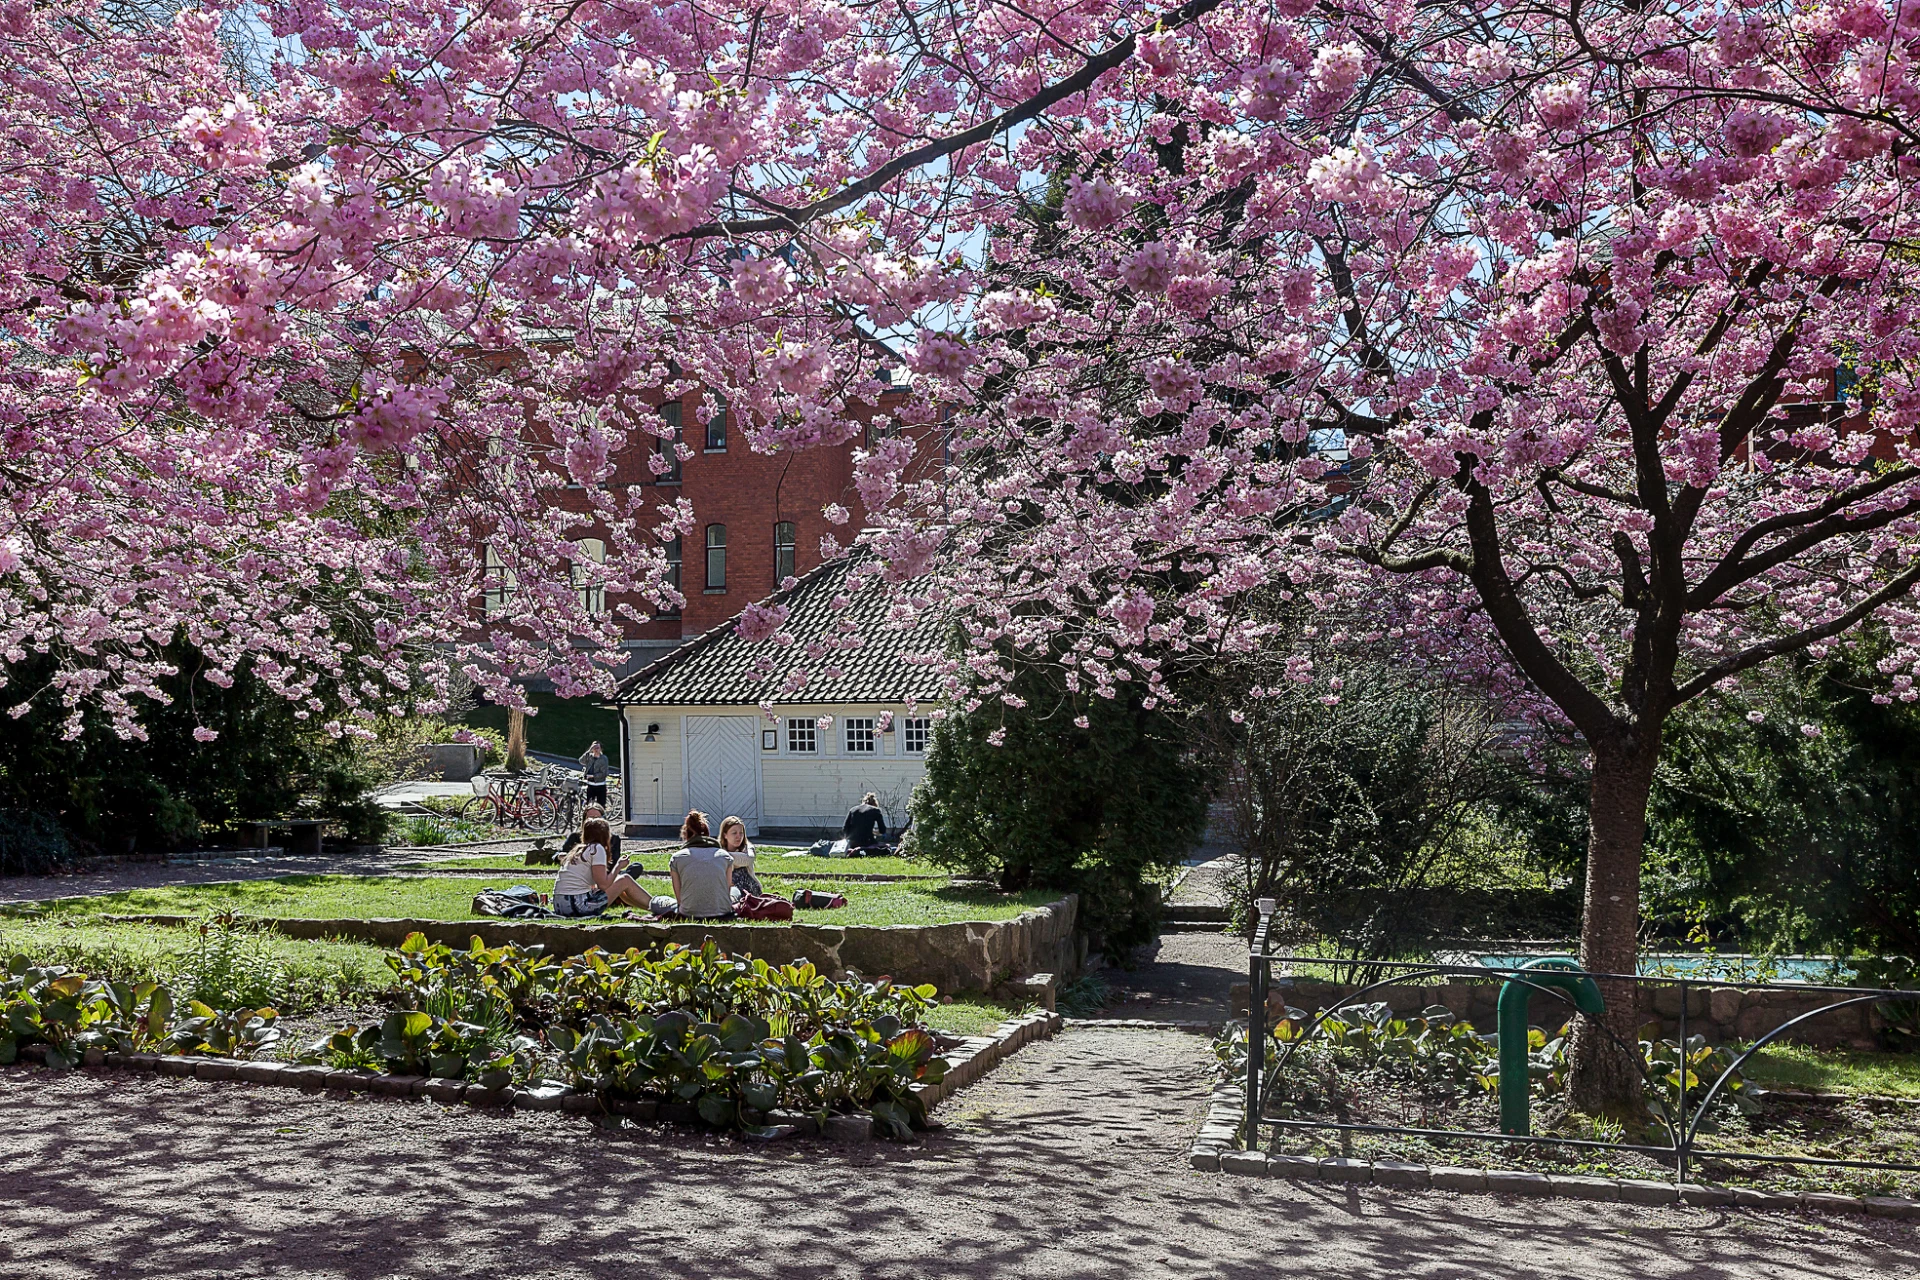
(702, 876)
(597, 767)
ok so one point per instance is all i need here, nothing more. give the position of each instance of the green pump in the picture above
(1515, 1116)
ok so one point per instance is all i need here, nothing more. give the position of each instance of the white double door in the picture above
(723, 768)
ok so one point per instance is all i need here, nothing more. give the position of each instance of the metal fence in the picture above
(1682, 1149)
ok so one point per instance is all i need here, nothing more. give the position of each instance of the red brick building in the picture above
(759, 519)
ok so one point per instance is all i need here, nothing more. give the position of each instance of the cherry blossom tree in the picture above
(1506, 329)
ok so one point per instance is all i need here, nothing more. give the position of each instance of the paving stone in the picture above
(1753, 1198)
(1392, 1173)
(143, 1062)
(216, 1069)
(1646, 1191)
(1705, 1197)
(305, 1076)
(551, 1097)
(1341, 1169)
(95, 1057)
(800, 1120)
(260, 1072)
(445, 1090)
(395, 1086)
(1204, 1158)
(1446, 1177)
(350, 1080)
(34, 1053)
(773, 1132)
(475, 1096)
(581, 1104)
(848, 1129)
(1518, 1182)
(114, 1059)
(1581, 1188)
(1246, 1163)
(172, 1065)
(1892, 1207)
(1299, 1168)
(1829, 1202)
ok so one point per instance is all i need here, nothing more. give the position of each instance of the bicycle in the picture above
(526, 801)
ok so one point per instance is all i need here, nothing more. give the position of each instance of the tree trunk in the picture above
(1605, 1078)
(517, 741)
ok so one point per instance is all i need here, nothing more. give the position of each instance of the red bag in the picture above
(756, 906)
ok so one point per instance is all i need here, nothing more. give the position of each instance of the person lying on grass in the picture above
(702, 876)
(586, 885)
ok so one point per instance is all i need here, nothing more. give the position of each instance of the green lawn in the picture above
(766, 865)
(563, 726)
(1792, 1066)
(430, 898)
(972, 1016)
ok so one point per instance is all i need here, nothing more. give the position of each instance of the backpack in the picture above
(816, 899)
(758, 906)
(517, 903)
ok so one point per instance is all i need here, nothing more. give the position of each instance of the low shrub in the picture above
(32, 844)
(735, 1038)
(70, 1013)
(1441, 1057)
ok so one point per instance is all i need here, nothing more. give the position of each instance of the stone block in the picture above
(94, 1056)
(1723, 1005)
(1342, 1169)
(1299, 1168)
(637, 1108)
(216, 1069)
(1575, 1187)
(677, 1113)
(1205, 1158)
(143, 1061)
(113, 1059)
(1446, 1177)
(260, 1072)
(1647, 1191)
(1892, 1207)
(1518, 1182)
(350, 1081)
(772, 1132)
(393, 1086)
(1701, 1196)
(581, 1104)
(1752, 1198)
(34, 1053)
(445, 1091)
(1830, 1202)
(305, 1076)
(476, 1096)
(1039, 987)
(174, 1065)
(1392, 1173)
(800, 1120)
(546, 1097)
(1246, 1163)
(848, 1129)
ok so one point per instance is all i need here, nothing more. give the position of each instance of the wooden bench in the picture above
(303, 834)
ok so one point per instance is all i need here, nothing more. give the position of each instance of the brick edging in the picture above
(977, 1056)
(1146, 1024)
(1213, 1151)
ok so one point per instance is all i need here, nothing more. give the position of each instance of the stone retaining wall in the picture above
(969, 956)
(1721, 1014)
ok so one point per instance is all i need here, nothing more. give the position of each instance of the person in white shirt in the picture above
(587, 885)
(734, 843)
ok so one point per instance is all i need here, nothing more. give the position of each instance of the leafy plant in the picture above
(231, 964)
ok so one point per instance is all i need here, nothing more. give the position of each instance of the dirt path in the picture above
(1067, 1162)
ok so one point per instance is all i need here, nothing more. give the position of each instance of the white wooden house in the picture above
(694, 735)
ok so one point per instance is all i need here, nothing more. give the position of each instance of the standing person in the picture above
(597, 767)
(587, 885)
(702, 888)
(865, 826)
(734, 843)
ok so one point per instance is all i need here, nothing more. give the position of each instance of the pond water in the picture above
(1727, 967)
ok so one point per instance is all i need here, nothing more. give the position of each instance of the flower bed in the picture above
(1370, 1066)
(692, 1034)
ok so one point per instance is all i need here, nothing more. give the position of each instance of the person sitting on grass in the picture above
(866, 826)
(734, 843)
(586, 885)
(701, 876)
(573, 837)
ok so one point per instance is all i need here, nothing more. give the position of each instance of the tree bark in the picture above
(1605, 1078)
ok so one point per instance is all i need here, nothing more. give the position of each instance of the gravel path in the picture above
(1067, 1162)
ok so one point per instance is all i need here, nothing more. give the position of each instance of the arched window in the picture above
(593, 596)
(782, 551)
(716, 557)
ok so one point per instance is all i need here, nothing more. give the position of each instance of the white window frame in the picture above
(865, 725)
(799, 731)
(498, 582)
(909, 726)
(593, 595)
